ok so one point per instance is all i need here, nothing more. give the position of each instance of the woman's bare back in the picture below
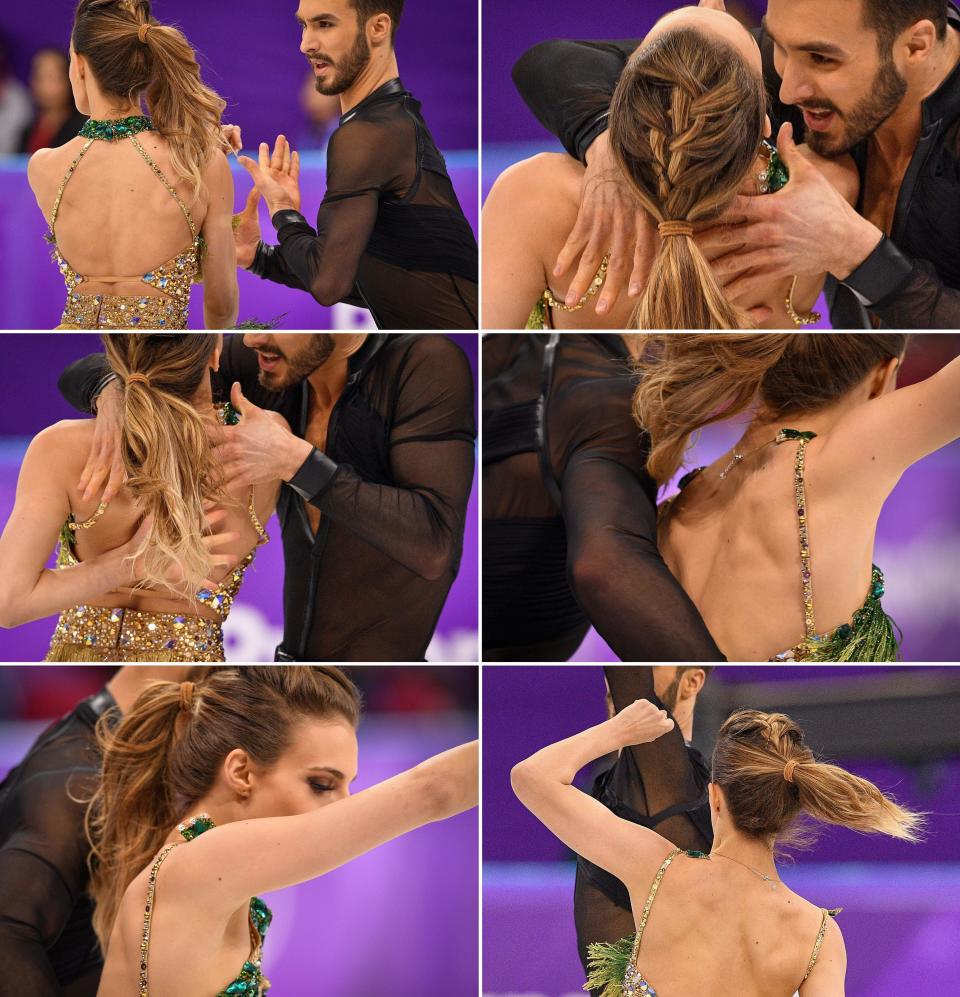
(121, 519)
(716, 928)
(734, 546)
(116, 217)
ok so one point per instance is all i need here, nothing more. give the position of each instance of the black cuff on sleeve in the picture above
(315, 476)
(589, 134)
(881, 274)
(262, 258)
(98, 390)
(288, 221)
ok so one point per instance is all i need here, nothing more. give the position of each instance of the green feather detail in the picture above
(538, 315)
(607, 963)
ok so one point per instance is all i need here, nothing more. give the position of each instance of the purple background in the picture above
(254, 626)
(252, 58)
(400, 920)
(900, 918)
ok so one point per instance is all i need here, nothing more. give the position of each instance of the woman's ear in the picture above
(767, 127)
(885, 378)
(217, 353)
(238, 773)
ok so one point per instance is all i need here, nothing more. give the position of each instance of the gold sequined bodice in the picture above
(168, 310)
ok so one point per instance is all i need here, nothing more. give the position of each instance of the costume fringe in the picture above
(607, 963)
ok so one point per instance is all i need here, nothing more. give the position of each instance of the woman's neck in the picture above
(755, 853)
(764, 426)
(102, 109)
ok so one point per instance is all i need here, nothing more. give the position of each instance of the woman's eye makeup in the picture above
(321, 786)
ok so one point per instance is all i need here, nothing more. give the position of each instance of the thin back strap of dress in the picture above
(255, 519)
(143, 989)
(63, 185)
(806, 578)
(652, 896)
(824, 914)
(166, 183)
(87, 523)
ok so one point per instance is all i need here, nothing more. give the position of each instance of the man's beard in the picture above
(302, 364)
(347, 71)
(884, 96)
(670, 694)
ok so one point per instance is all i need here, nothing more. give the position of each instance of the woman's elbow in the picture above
(10, 614)
(522, 780)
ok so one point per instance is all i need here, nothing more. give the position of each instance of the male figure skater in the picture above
(47, 944)
(378, 471)
(661, 785)
(391, 236)
(879, 79)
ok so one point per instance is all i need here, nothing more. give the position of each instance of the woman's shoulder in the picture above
(65, 439)
(546, 176)
(46, 168)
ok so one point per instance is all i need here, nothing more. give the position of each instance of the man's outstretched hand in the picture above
(276, 175)
(261, 449)
(609, 223)
(104, 467)
(246, 230)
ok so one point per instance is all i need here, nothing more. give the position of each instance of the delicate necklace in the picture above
(739, 455)
(774, 883)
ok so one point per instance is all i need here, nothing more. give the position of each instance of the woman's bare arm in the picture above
(544, 785)
(827, 978)
(221, 294)
(295, 849)
(28, 590)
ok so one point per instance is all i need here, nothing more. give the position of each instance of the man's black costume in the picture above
(391, 236)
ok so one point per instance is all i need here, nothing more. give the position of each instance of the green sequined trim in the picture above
(776, 175)
(194, 827)
(607, 964)
(113, 131)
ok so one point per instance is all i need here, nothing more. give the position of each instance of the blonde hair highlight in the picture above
(135, 57)
(690, 380)
(170, 465)
(686, 122)
(750, 763)
(165, 754)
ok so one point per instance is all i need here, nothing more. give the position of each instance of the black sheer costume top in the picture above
(569, 512)
(661, 785)
(392, 488)
(910, 281)
(391, 236)
(47, 944)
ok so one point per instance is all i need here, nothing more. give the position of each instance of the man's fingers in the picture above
(264, 156)
(589, 265)
(572, 248)
(276, 160)
(95, 482)
(253, 200)
(213, 540)
(295, 167)
(747, 284)
(617, 267)
(252, 168)
(286, 156)
(114, 484)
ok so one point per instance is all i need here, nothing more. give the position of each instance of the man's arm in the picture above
(419, 521)
(615, 568)
(363, 158)
(568, 85)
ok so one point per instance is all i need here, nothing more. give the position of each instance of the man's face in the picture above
(334, 43)
(289, 358)
(666, 685)
(831, 67)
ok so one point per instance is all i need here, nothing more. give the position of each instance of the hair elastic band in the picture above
(677, 227)
(186, 696)
(788, 769)
(142, 32)
(138, 379)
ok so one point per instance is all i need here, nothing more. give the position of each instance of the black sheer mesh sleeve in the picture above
(655, 785)
(83, 380)
(567, 85)
(47, 945)
(419, 521)
(363, 159)
(922, 301)
(268, 264)
(609, 509)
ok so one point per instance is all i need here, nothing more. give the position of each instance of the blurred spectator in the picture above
(322, 115)
(15, 109)
(56, 118)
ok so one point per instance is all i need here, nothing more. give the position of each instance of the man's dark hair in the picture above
(368, 8)
(889, 17)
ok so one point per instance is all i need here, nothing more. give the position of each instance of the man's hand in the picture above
(104, 463)
(276, 176)
(246, 231)
(807, 228)
(259, 450)
(609, 223)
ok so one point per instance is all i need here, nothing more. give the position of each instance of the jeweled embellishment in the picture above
(114, 130)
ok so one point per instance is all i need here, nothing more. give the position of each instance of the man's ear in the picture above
(691, 682)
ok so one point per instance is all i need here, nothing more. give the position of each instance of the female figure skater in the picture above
(139, 577)
(147, 197)
(774, 541)
(688, 127)
(721, 921)
(252, 767)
